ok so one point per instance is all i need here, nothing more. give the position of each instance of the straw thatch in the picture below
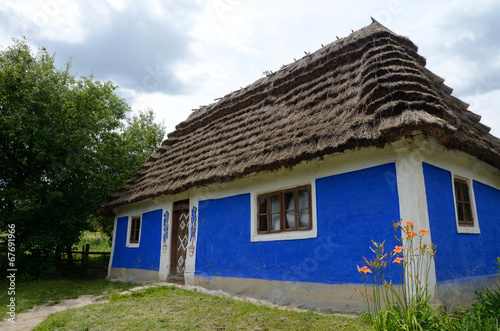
(368, 89)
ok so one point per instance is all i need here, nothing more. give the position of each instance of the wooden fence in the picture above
(85, 252)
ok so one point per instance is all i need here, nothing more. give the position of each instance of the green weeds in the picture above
(171, 308)
(407, 307)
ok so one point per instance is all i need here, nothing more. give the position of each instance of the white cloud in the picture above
(54, 20)
(117, 4)
(486, 105)
(195, 51)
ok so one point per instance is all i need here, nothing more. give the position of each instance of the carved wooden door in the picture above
(180, 239)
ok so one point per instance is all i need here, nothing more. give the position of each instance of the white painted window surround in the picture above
(286, 235)
(129, 228)
(461, 228)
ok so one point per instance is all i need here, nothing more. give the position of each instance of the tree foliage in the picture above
(65, 144)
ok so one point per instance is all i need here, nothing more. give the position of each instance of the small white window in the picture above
(134, 231)
(465, 211)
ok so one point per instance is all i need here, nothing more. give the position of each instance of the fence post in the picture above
(85, 257)
(69, 253)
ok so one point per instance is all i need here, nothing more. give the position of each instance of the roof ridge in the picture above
(204, 114)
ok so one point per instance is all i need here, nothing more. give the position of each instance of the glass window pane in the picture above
(465, 192)
(262, 222)
(275, 222)
(275, 204)
(289, 203)
(468, 213)
(458, 196)
(290, 219)
(460, 211)
(303, 199)
(304, 218)
(263, 205)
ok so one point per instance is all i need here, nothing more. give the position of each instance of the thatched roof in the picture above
(368, 89)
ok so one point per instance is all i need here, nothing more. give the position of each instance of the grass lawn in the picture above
(98, 242)
(171, 308)
(33, 293)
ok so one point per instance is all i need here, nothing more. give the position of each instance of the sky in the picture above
(175, 56)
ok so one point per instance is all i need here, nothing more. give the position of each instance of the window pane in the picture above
(303, 199)
(275, 204)
(263, 222)
(460, 211)
(458, 196)
(275, 222)
(468, 214)
(289, 203)
(304, 218)
(465, 192)
(263, 205)
(290, 219)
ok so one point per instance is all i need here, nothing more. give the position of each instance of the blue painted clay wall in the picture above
(461, 255)
(147, 255)
(352, 209)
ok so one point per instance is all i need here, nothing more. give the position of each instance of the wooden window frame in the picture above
(134, 236)
(283, 210)
(460, 202)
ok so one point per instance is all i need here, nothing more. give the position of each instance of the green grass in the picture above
(171, 308)
(98, 241)
(34, 293)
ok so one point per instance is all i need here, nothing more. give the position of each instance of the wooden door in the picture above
(180, 239)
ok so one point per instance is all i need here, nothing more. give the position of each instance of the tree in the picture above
(65, 144)
(121, 157)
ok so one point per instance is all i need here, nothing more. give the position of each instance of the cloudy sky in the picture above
(173, 56)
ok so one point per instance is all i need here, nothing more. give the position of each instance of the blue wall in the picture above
(352, 209)
(147, 255)
(461, 255)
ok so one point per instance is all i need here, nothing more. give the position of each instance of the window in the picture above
(286, 210)
(463, 202)
(135, 230)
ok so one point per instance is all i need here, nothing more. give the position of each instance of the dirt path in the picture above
(28, 320)
(31, 318)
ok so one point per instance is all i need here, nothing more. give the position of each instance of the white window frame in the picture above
(129, 229)
(284, 235)
(465, 228)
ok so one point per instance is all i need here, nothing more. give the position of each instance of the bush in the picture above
(484, 314)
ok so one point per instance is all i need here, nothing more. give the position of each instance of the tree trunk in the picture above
(69, 253)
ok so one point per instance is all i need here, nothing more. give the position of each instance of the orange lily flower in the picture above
(398, 249)
(410, 234)
(424, 231)
(398, 260)
(410, 224)
(364, 270)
